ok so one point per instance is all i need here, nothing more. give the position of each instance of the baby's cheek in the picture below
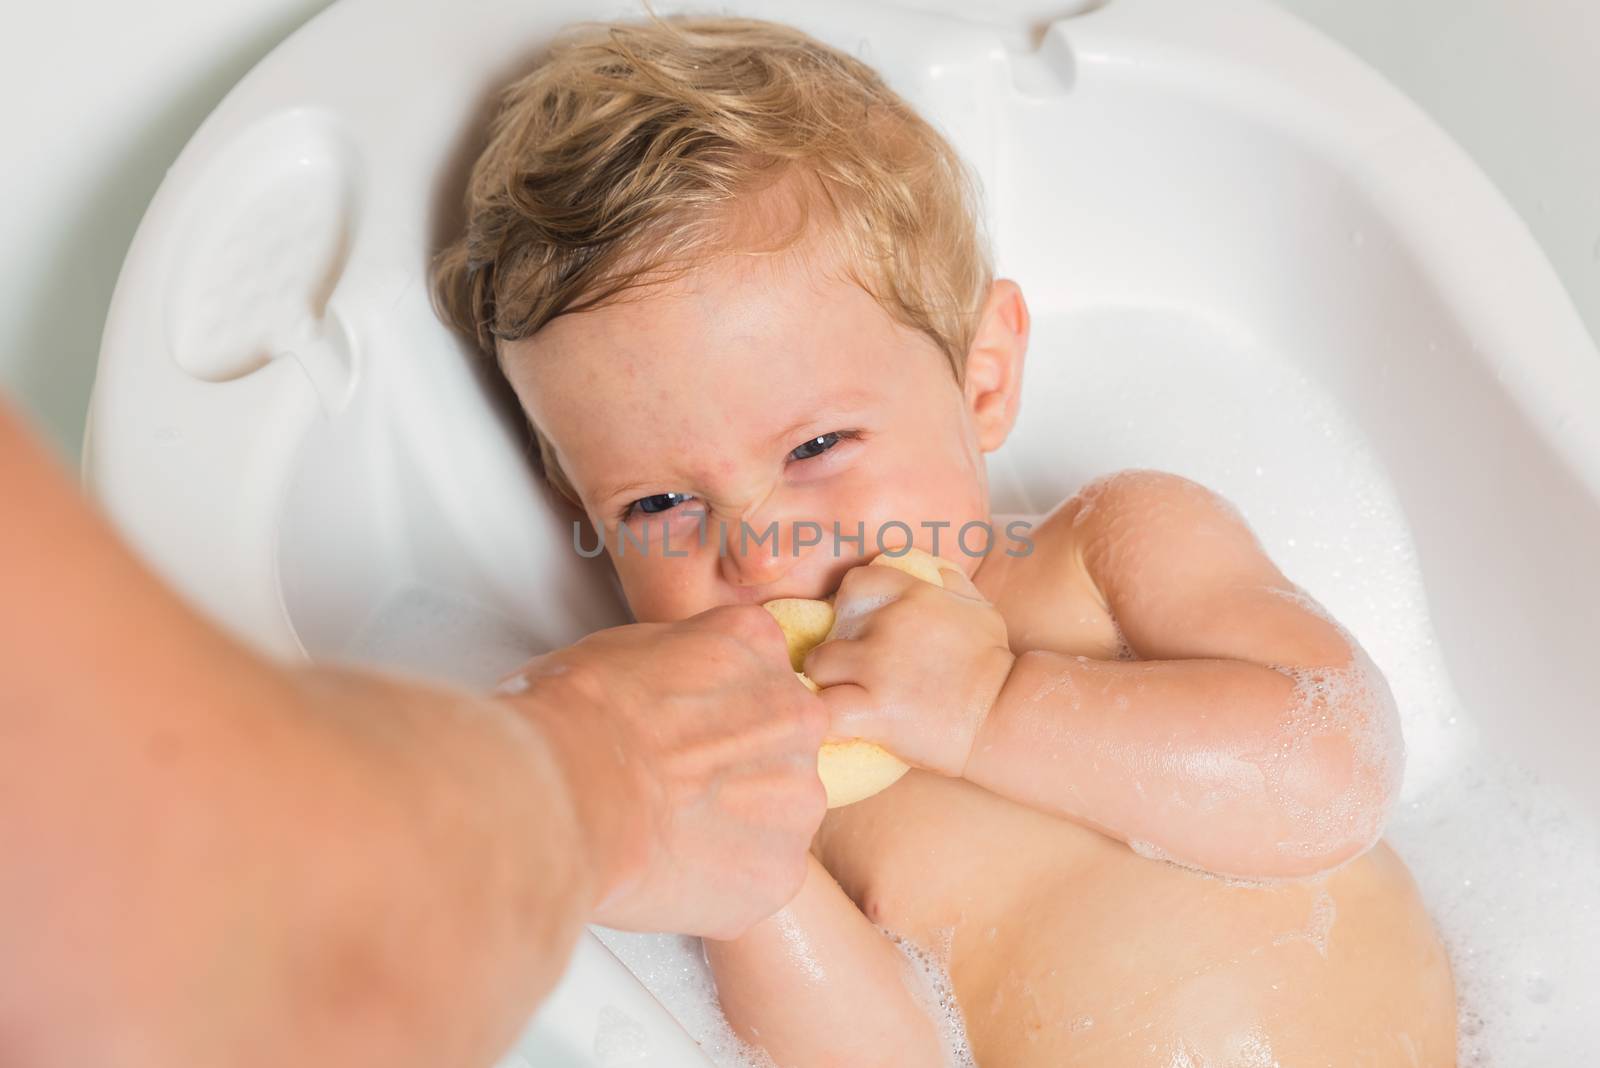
(663, 589)
(940, 484)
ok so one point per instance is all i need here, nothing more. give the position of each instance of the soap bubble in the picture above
(928, 979)
(674, 969)
(619, 1038)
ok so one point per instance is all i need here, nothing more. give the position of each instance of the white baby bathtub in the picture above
(1249, 260)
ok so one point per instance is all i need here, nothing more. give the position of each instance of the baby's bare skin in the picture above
(1066, 947)
(754, 392)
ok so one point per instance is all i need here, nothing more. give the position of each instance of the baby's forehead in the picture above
(712, 364)
(725, 329)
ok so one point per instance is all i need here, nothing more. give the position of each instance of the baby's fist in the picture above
(912, 666)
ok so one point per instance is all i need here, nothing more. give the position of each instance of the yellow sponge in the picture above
(805, 623)
(851, 770)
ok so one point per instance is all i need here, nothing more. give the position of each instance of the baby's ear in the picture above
(993, 380)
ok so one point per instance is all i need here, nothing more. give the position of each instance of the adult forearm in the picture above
(1223, 765)
(343, 870)
(213, 859)
(210, 859)
(457, 870)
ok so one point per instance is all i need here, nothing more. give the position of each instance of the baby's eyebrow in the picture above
(791, 430)
(843, 405)
(607, 496)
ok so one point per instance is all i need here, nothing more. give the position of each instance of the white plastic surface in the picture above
(1183, 191)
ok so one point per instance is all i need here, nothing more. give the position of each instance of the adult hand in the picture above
(690, 750)
(214, 859)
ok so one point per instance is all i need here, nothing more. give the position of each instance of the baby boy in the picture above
(739, 288)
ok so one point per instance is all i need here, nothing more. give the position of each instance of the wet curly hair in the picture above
(635, 151)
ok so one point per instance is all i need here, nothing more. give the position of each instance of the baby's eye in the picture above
(819, 444)
(656, 502)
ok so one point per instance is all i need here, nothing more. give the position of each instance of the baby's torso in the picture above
(1062, 943)
(934, 852)
(961, 871)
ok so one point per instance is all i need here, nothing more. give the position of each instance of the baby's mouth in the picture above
(761, 595)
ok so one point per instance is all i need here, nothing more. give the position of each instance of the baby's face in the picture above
(759, 391)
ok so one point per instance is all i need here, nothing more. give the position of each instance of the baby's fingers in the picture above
(838, 660)
(956, 581)
(862, 592)
(851, 713)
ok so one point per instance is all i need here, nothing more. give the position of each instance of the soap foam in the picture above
(1349, 705)
(1511, 874)
(852, 615)
(674, 969)
(619, 1038)
(927, 976)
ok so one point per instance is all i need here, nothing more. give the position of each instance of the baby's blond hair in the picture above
(625, 157)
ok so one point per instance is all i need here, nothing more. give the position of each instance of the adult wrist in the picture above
(580, 756)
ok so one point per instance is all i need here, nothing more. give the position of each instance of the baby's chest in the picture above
(932, 853)
(1049, 602)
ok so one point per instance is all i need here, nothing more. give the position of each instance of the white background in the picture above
(98, 98)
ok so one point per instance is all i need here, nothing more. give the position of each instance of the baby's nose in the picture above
(758, 554)
(763, 538)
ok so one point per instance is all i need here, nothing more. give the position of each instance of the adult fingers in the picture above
(748, 623)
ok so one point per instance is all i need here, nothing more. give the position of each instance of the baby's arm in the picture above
(1253, 738)
(817, 984)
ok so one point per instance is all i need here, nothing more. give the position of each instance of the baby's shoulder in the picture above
(1116, 518)
(1118, 500)
(1142, 493)
(1104, 549)
(1124, 514)
(1133, 504)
